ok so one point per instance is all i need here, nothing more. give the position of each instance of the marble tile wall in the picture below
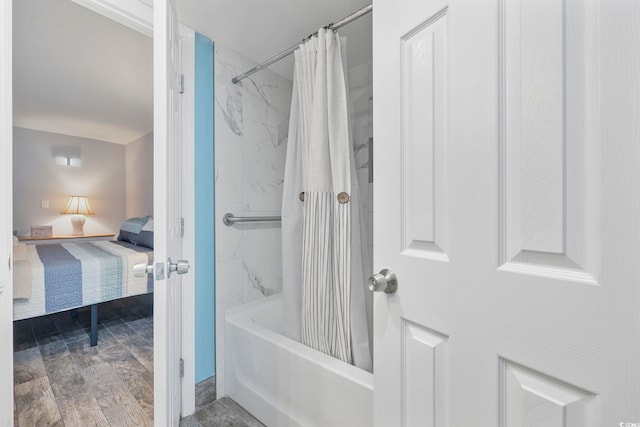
(251, 127)
(360, 82)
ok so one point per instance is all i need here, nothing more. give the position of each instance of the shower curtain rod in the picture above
(333, 26)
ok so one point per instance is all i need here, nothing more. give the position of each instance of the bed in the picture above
(49, 278)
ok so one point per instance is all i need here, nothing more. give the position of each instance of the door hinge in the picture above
(181, 368)
(181, 83)
(181, 227)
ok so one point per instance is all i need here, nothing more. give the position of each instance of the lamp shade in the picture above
(78, 205)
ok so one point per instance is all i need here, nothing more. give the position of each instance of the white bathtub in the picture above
(284, 383)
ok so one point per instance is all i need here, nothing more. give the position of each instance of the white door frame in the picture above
(137, 15)
(187, 40)
(6, 214)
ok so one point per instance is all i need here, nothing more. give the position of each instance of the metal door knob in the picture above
(386, 281)
(142, 269)
(180, 267)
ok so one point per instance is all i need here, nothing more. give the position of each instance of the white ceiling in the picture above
(261, 28)
(81, 74)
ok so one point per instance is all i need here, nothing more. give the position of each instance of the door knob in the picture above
(386, 281)
(142, 269)
(180, 267)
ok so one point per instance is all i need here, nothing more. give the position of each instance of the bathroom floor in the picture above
(59, 379)
(223, 412)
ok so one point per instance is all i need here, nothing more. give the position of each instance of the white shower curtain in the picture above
(323, 277)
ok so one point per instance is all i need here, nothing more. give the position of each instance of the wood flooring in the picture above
(60, 380)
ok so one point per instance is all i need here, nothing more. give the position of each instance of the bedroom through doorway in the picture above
(82, 218)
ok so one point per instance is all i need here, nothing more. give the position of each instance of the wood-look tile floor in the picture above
(223, 412)
(60, 380)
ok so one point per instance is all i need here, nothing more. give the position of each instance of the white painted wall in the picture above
(139, 176)
(36, 177)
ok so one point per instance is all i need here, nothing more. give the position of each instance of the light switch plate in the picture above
(44, 204)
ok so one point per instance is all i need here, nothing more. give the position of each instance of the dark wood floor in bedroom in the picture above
(60, 380)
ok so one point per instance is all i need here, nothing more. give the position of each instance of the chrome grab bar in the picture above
(229, 219)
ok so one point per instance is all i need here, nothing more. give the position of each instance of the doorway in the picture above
(83, 125)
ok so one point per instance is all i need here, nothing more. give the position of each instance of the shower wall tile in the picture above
(229, 105)
(360, 81)
(228, 198)
(264, 160)
(228, 239)
(269, 96)
(264, 278)
(231, 275)
(251, 126)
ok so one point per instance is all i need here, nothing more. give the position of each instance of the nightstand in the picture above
(64, 239)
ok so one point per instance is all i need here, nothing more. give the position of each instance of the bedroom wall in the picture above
(251, 127)
(36, 177)
(139, 177)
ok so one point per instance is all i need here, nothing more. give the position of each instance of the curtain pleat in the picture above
(326, 260)
(323, 147)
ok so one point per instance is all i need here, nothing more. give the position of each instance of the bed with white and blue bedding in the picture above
(66, 276)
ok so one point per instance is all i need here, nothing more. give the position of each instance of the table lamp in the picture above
(78, 207)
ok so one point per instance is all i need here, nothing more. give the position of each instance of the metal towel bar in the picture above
(229, 219)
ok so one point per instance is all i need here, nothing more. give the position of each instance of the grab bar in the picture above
(229, 219)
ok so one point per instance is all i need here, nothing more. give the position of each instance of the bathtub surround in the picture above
(281, 381)
(251, 124)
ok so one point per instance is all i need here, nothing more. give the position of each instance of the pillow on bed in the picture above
(144, 236)
(135, 225)
(149, 225)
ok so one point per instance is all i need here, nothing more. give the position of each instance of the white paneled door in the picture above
(167, 213)
(507, 201)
